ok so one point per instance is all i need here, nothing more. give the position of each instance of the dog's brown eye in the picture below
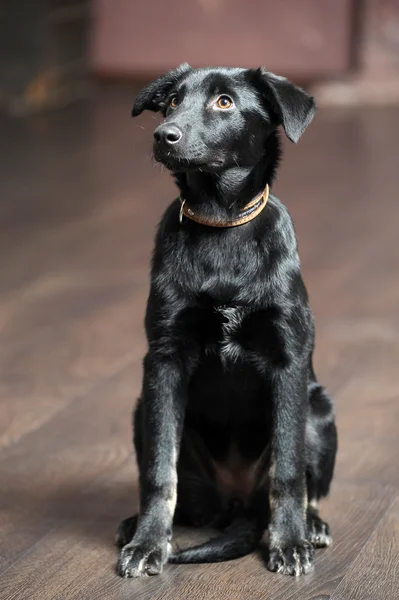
(224, 102)
(174, 101)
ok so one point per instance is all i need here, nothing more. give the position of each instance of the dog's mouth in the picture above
(179, 163)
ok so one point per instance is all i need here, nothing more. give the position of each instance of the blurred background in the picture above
(80, 198)
(52, 50)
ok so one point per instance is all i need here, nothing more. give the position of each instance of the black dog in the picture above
(232, 428)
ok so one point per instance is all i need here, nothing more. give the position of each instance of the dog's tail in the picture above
(240, 538)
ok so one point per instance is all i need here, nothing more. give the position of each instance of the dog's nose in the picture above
(169, 134)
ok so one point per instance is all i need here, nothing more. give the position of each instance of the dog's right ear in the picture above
(153, 97)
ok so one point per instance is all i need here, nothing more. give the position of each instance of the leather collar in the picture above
(249, 212)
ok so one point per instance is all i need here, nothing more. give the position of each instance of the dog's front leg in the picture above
(163, 404)
(289, 551)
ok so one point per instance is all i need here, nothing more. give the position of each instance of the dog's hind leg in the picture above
(126, 531)
(321, 442)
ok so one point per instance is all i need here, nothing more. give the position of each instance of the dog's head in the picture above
(216, 118)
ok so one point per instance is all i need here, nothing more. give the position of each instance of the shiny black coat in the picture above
(232, 428)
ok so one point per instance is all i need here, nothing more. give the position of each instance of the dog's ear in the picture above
(153, 96)
(292, 106)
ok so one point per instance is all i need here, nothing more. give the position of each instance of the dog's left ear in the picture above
(293, 107)
(154, 95)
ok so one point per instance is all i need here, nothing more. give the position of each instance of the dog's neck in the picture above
(221, 195)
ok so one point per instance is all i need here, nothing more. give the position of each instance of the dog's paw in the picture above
(318, 532)
(143, 559)
(125, 532)
(295, 560)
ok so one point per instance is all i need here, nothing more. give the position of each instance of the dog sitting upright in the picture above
(232, 429)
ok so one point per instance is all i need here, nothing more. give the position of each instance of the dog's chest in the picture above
(230, 321)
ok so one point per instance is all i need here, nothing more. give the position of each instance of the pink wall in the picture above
(303, 37)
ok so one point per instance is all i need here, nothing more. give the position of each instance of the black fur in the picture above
(231, 414)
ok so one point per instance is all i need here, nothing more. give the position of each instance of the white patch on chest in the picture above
(230, 349)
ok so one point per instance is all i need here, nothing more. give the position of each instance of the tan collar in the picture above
(249, 212)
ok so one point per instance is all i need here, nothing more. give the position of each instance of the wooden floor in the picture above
(80, 199)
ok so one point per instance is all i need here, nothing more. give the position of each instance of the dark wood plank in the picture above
(375, 573)
(45, 372)
(49, 477)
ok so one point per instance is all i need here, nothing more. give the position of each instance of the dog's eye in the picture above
(224, 102)
(174, 101)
